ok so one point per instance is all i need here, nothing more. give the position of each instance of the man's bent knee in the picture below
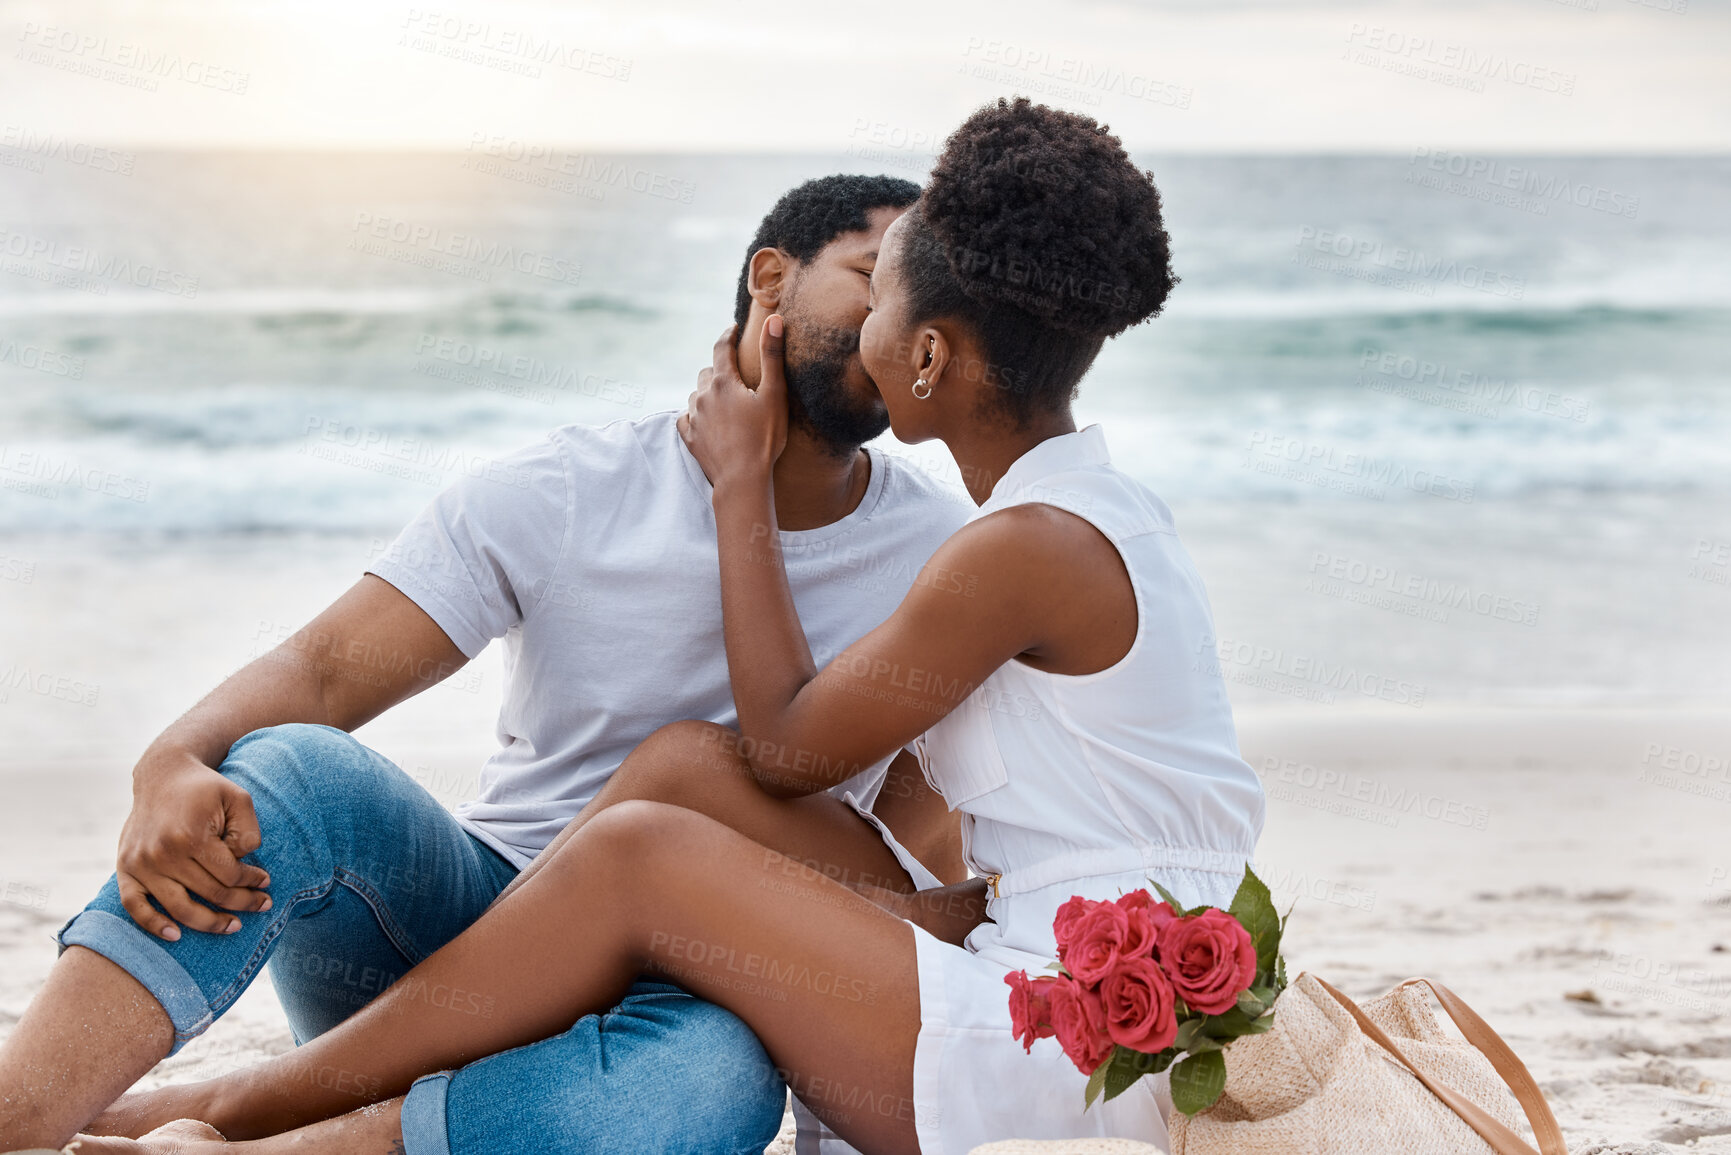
(314, 784)
(308, 765)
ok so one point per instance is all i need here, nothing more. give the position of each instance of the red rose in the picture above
(1209, 958)
(1139, 1006)
(1063, 925)
(1146, 917)
(1079, 1021)
(1096, 939)
(1030, 1007)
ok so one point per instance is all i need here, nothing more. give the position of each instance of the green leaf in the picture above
(1236, 1024)
(1147, 1064)
(1188, 1032)
(1198, 1081)
(1096, 1083)
(1230, 1025)
(1122, 1073)
(1280, 963)
(1177, 907)
(1253, 906)
(1204, 1044)
(1258, 1000)
(1127, 1065)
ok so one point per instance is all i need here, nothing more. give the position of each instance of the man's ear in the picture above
(767, 277)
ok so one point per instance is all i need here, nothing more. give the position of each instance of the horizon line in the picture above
(1717, 152)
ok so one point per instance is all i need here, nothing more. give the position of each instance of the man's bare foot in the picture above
(137, 1113)
(181, 1137)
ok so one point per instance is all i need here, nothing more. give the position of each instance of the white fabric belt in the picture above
(1109, 862)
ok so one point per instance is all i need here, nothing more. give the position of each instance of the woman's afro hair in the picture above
(1042, 210)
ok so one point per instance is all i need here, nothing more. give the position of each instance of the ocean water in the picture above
(1458, 426)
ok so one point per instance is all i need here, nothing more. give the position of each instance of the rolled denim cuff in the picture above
(121, 942)
(423, 1119)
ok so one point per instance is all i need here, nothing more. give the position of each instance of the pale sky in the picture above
(1562, 76)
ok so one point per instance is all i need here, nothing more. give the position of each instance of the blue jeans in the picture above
(369, 876)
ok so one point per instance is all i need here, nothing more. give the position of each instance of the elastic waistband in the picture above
(1112, 861)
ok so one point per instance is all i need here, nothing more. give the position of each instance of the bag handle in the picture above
(1506, 1063)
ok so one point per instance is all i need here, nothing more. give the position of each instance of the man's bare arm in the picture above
(372, 648)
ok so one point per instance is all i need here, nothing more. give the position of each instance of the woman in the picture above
(1051, 664)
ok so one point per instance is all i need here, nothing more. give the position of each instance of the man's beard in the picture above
(818, 398)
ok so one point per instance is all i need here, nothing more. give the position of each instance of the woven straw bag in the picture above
(1332, 1079)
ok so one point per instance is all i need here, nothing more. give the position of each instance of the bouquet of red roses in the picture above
(1142, 985)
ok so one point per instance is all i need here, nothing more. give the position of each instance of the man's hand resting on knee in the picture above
(187, 832)
(190, 826)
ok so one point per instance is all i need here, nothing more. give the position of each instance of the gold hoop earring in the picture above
(917, 393)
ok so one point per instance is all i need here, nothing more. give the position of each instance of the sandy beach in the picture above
(1565, 871)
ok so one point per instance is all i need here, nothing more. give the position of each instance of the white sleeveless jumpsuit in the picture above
(1068, 785)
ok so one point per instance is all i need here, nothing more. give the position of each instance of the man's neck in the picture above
(813, 487)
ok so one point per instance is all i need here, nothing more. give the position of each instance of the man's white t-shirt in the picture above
(592, 553)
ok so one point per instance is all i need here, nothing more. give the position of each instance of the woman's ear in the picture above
(766, 277)
(932, 354)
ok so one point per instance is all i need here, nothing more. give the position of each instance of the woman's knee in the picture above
(635, 845)
(688, 764)
(637, 824)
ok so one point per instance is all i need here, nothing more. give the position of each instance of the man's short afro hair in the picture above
(1038, 229)
(808, 217)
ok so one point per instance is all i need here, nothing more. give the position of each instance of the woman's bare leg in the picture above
(697, 766)
(827, 979)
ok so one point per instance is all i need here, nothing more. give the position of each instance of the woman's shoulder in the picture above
(1101, 494)
(1036, 547)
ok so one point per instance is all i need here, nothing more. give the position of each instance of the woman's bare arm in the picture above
(1028, 580)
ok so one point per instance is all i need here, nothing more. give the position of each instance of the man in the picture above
(593, 555)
